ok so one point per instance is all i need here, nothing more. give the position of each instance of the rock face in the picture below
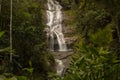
(68, 28)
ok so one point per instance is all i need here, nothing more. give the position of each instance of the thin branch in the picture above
(11, 31)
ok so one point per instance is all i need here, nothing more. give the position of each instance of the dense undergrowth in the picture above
(29, 41)
(94, 61)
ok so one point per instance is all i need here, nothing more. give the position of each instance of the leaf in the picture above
(2, 77)
(21, 78)
(30, 63)
(30, 70)
(1, 33)
(5, 49)
(13, 78)
(80, 60)
(103, 51)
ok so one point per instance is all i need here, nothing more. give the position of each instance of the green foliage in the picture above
(30, 70)
(90, 21)
(21, 78)
(96, 58)
(94, 64)
(2, 33)
(5, 49)
(54, 76)
(96, 38)
(13, 78)
(29, 39)
(3, 77)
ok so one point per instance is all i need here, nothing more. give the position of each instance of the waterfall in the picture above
(59, 67)
(54, 23)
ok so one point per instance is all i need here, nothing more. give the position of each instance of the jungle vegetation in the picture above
(97, 50)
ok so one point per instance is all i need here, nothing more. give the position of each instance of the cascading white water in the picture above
(54, 22)
(59, 67)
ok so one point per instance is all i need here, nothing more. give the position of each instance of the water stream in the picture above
(59, 67)
(54, 23)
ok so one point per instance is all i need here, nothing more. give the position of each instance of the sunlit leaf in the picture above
(21, 78)
(2, 33)
(13, 78)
